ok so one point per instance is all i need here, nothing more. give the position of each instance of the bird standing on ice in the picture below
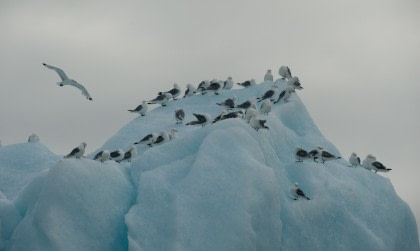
(228, 103)
(77, 152)
(296, 192)
(161, 139)
(247, 83)
(368, 161)
(117, 155)
(301, 154)
(284, 72)
(265, 107)
(215, 87)
(175, 92)
(66, 81)
(228, 84)
(102, 156)
(354, 160)
(268, 76)
(179, 115)
(285, 95)
(295, 83)
(191, 90)
(379, 167)
(130, 154)
(257, 123)
(202, 119)
(247, 104)
(33, 138)
(161, 99)
(141, 109)
(172, 134)
(269, 94)
(148, 139)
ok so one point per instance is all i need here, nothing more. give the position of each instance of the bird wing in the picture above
(300, 192)
(114, 154)
(58, 70)
(327, 154)
(288, 70)
(358, 160)
(82, 88)
(302, 153)
(73, 152)
(378, 165)
(313, 152)
(98, 155)
(200, 118)
(158, 140)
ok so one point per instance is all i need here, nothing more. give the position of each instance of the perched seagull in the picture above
(141, 109)
(175, 92)
(148, 139)
(247, 104)
(130, 154)
(203, 86)
(250, 112)
(179, 115)
(296, 192)
(257, 123)
(33, 138)
(228, 84)
(247, 83)
(268, 76)
(172, 134)
(102, 156)
(215, 87)
(284, 72)
(301, 154)
(265, 107)
(326, 156)
(354, 160)
(66, 81)
(285, 94)
(161, 99)
(295, 83)
(232, 115)
(117, 155)
(218, 118)
(77, 152)
(161, 139)
(191, 90)
(316, 153)
(269, 94)
(202, 119)
(368, 161)
(379, 167)
(228, 103)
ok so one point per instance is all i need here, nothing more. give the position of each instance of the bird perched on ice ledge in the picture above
(66, 81)
(33, 138)
(77, 152)
(296, 192)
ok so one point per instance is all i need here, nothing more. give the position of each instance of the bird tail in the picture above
(388, 169)
(307, 198)
(131, 110)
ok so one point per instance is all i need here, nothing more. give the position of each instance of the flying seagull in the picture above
(66, 81)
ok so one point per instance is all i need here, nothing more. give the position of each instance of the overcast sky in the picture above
(359, 62)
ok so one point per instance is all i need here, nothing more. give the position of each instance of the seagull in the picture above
(301, 154)
(256, 123)
(268, 94)
(175, 92)
(228, 84)
(162, 138)
(285, 94)
(247, 83)
(268, 76)
(368, 161)
(161, 99)
(202, 119)
(172, 134)
(284, 72)
(117, 155)
(77, 152)
(247, 104)
(228, 103)
(130, 154)
(141, 109)
(203, 86)
(191, 90)
(66, 81)
(149, 138)
(354, 160)
(265, 107)
(102, 156)
(215, 87)
(179, 115)
(325, 156)
(295, 83)
(296, 192)
(232, 115)
(218, 118)
(379, 167)
(316, 153)
(249, 112)
(33, 138)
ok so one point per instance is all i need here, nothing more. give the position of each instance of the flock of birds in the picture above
(247, 110)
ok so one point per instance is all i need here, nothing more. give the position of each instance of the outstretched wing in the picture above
(82, 88)
(58, 70)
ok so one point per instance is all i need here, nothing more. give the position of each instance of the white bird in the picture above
(284, 72)
(102, 156)
(117, 155)
(175, 92)
(296, 192)
(368, 161)
(141, 109)
(172, 134)
(130, 154)
(268, 76)
(228, 84)
(354, 160)
(285, 95)
(265, 107)
(148, 139)
(269, 94)
(191, 90)
(202, 119)
(77, 152)
(316, 154)
(247, 83)
(301, 154)
(326, 156)
(250, 112)
(228, 103)
(203, 86)
(33, 138)
(215, 87)
(161, 99)
(295, 83)
(161, 139)
(232, 115)
(179, 115)
(66, 81)
(247, 104)
(257, 123)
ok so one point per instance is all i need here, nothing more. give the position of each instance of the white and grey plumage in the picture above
(232, 115)
(33, 138)
(284, 72)
(326, 156)
(368, 161)
(179, 115)
(228, 84)
(354, 160)
(301, 154)
(202, 86)
(247, 83)
(102, 156)
(316, 153)
(172, 134)
(285, 95)
(141, 109)
(268, 76)
(295, 83)
(215, 87)
(250, 112)
(379, 167)
(265, 107)
(117, 155)
(257, 123)
(66, 81)
(77, 152)
(220, 116)
(202, 119)
(247, 104)
(130, 154)
(175, 92)
(296, 192)
(269, 94)
(228, 103)
(149, 138)
(161, 139)
(191, 90)
(161, 99)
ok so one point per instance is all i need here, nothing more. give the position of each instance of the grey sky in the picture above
(358, 61)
